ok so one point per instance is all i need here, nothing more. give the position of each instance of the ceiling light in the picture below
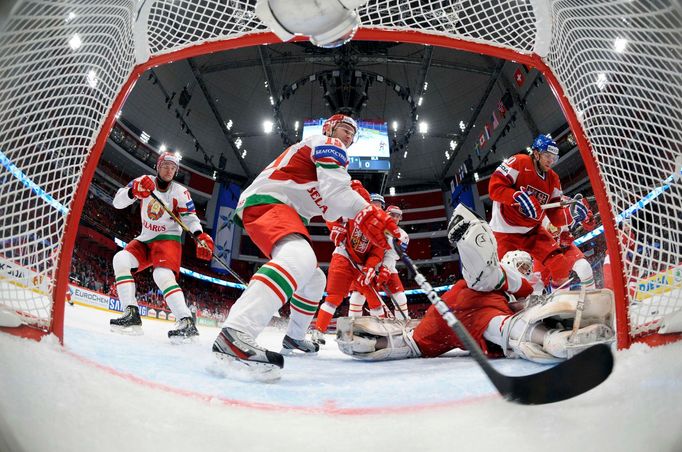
(296, 126)
(394, 125)
(453, 145)
(92, 78)
(267, 126)
(238, 142)
(75, 42)
(620, 44)
(476, 177)
(405, 155)
(177, 154)
(423, 127)
(228, 124)
(462, 126)
(391, 191)
(144, 137)
(162, 148)
(419, 102)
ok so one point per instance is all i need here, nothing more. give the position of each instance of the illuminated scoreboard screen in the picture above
(370, 151)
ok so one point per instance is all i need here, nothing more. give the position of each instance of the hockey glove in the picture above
(566, 239)
(205, 247)
(374, 223)
(338, 233)
(529, 206)
(383, 276)
(367, 275)
(143, 187)
(578, 210)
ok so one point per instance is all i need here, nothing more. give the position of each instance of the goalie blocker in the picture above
(486, 313)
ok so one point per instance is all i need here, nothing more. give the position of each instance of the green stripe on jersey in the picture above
(125, 278)
(280, 280)
(328, 165)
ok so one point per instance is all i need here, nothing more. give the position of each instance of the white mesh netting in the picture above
(62, 63)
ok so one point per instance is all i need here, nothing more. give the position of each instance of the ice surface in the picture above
(107, 392)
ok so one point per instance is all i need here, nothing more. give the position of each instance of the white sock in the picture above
(123, 262)
(401, 299)
(172, 293)
(584, 271)
(293, 264)
(304, 304)
(357, 301)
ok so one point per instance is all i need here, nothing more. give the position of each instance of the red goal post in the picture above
(67, 67)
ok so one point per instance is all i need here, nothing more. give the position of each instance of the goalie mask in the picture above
(376, 197)
(519, 260)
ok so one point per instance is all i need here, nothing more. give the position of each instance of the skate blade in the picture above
(181, 340)
(227, 366)
(135, 330)
(295, 352)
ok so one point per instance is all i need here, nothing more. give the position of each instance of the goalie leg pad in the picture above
(557, 344)
(372, 339)
(565, 344)
(477, 249)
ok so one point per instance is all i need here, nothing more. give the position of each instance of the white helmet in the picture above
(519, 260)
(376, 197)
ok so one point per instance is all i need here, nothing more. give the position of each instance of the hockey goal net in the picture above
(66, 67)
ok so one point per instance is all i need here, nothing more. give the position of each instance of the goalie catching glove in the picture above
(143, 187)
(374, 223)
(205, 247)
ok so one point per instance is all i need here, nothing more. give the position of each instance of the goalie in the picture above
(484, 301)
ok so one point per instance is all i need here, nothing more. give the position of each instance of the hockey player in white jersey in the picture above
(308, 179)
(159, 246)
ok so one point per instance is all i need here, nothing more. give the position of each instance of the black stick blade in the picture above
(567, 379)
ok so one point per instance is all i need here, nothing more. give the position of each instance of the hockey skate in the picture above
(240, 351)
(185, 331)
(317, 337)
(290, 345)
(129, 323)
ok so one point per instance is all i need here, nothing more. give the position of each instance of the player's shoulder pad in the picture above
(330, 151)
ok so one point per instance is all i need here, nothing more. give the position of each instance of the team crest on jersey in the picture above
(358, 241)
(541, 196)
(154, 210)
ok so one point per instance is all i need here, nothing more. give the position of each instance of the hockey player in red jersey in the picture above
(487, 303)
(353, 266)
(518, 188)
(308, 179)
(159, 246)
(576, 259)
(387, 278)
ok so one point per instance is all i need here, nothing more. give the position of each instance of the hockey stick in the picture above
(552, 205)
(186, 229)
(567, 379)
(390, 295)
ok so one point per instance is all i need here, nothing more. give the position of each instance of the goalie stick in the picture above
(186, 229)
(552, 205)
(565, 380)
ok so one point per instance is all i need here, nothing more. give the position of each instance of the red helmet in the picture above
(168, 157)
(330, 124)
(394, 210)
(357, 186)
